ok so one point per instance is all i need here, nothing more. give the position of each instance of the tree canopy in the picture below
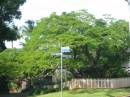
(97, 45)
(9, 64)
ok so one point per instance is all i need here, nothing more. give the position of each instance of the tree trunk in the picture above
(2, 46)
(12, 44)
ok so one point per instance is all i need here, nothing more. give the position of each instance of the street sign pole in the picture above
(63, 50)
(61, 74)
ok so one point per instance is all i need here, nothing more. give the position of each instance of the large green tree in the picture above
(9, 10)
(97, 46)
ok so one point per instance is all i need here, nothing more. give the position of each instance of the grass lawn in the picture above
(90, 93)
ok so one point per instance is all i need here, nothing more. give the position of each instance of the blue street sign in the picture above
(65, 49)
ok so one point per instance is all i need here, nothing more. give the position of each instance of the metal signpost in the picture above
(63, 50)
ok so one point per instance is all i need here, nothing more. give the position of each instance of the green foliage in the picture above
(9, 64)
(9, 10)
(12, 85)
(97, 45)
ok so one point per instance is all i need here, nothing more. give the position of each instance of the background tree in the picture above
(10, 68)
(27, 29)
(9, 64)
(9, 10)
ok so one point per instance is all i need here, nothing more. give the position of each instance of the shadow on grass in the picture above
(110, 92)
(107, 92)
(15, 95)
(89, 91)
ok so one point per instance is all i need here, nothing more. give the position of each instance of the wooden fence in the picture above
(98, 83)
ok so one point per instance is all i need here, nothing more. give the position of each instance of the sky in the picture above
(36, 9)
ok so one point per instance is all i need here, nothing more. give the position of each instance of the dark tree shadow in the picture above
(108, 92)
